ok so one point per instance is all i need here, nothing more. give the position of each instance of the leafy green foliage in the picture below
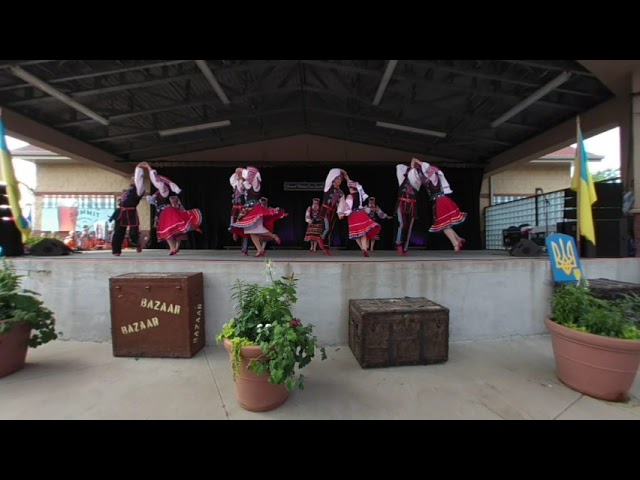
(575, 306)
(236, 350)
(608, 174)
(22, 306)
(264, 317)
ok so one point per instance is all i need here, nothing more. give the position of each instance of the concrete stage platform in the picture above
(489, 293)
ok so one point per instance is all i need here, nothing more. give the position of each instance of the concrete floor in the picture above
(510, 379)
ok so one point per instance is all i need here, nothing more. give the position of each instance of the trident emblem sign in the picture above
(565, 262)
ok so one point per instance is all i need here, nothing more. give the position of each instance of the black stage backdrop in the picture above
(208, 189)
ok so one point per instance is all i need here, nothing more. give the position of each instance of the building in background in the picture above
(549, 173)
(547, 177)
(71, 196)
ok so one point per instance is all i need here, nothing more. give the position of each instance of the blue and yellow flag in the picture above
(582, 183)
(13, 192)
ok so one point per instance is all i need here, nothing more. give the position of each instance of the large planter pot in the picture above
(598, 366)
(254, 392)
(14, 345)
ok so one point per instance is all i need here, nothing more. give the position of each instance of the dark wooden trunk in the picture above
(157, 314)
(607, 289)
(388, 332)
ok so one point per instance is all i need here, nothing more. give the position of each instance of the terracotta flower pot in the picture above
(14, 345)
(254, 392)
(598, 366)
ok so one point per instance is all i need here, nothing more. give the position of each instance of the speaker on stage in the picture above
(49, 247)
(525, 248)
(511, 236)
(611, 238)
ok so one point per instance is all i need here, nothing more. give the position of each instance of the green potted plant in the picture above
(24, 321)
(267, 344)
(596, 342)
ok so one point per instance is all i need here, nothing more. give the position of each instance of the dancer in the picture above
(116, 213)
(268, 221)
(361, 227)
(246, 184)
(333, 195)
(250, 219)
(244, 181)
(446, 213)
(316, 226)
(240, 185)
(126, 215)
(173, 220)
(408, 187)
(376, 214)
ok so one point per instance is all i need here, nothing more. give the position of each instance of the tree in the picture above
(608, 174)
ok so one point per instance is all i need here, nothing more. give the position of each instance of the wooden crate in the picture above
(608, 289)
(388, 332)
(157, 314)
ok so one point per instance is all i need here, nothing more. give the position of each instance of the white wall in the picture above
(487, 299)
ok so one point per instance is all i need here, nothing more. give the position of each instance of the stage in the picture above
(489, 293)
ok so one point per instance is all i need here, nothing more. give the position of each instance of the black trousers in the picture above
(405, 214)
(119, 232)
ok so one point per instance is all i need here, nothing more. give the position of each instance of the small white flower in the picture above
(267, 325)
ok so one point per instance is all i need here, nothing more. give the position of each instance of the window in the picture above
(507, 198)
(68, 213)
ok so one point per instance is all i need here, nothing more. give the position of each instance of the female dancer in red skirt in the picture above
(268, 222)
(361, 227)
(315, 226)
(252, 215)
(173, 221)
(376, 214)
(332, 198)
(446, 213)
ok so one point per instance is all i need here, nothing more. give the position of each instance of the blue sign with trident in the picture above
(565, 261)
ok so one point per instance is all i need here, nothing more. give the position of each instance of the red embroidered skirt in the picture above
(269, 220)
(249, 217)
(446, 214)
(314, 231)
(176, 223)
(360, 224)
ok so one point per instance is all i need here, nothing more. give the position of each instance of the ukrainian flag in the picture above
(582, 183)
(9, 177)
